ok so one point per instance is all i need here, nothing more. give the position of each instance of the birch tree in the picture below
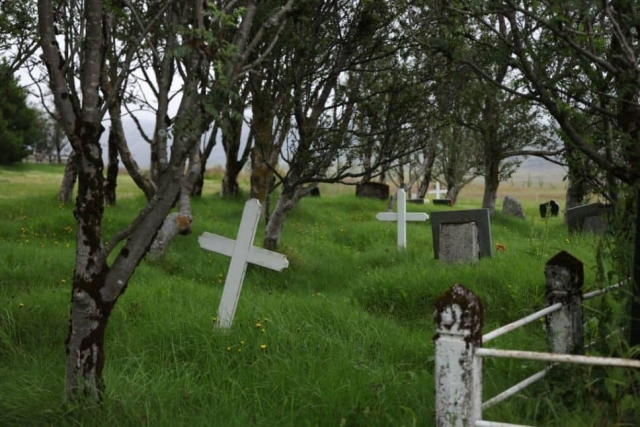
(103, 267)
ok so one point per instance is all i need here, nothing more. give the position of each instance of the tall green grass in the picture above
(343, 337)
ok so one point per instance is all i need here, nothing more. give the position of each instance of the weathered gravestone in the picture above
(551, 207)
(445, 202)
(461, 236)
(241, 252)
(512, 207)
(401, 217)
(593, 218)
(373, 190)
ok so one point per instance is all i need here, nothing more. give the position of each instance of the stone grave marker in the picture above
(445, 202)
(511, 206)
(591, 217)
(552, 207)
(373, 190)
(401, 216)
(241, 252)
(461, 236)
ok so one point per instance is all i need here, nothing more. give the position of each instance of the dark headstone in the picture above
(315, 192)
(479, 217)
(416, 201)
(373, 190)
(551, 207)
(444, 202)
(592, 217)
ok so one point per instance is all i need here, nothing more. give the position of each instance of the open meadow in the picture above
(343, 337)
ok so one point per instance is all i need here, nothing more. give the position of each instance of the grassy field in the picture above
(343, 337)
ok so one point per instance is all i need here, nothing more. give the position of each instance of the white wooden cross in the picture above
(438, 192)
(241, 252)
(402, 217)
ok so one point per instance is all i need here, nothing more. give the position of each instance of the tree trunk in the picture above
(634, 333)
(576, 191)
(261, 175)
(491, 184)
(69, 178)
(181, 222)
(231, 139)
(425, 180)
(112, 170)
(230, 180)
(85, 342)
(288, 199)
(576, 177)
(452, 193)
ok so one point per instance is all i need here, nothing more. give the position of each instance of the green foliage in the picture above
(18, 128)
(342, 337)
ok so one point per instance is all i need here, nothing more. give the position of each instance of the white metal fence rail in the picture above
(459, 351)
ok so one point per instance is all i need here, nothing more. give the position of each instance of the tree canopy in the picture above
(18, 130)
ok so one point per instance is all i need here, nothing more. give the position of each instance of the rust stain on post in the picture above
(471, 313)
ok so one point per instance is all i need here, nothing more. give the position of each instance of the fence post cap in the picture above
(563, 263)
(459, 312)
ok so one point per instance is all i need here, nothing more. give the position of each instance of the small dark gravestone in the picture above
(551, 207)
(417, 201)
(315, 192)
(445, 202)
(592, 217)
(461, 236)
(512, 207)
(373, 190)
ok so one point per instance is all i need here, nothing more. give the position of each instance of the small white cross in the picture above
(402, 217)
(438, 192)
(241, 252)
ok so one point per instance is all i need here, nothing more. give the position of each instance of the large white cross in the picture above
(402, 217)
(241, 252)
(438, 192)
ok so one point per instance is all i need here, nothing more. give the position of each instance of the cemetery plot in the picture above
(402, 217)
(241, 252)
(461, 236)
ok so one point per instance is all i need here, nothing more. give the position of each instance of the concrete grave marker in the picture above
(461, 235)
(591, 217)
(402, 217)
(459, 242)
(241, 252)
(373, 190)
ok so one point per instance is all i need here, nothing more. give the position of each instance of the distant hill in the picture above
(537, 168)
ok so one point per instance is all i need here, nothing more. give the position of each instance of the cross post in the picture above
(241, 252)
(402, 217)
(438, 191)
